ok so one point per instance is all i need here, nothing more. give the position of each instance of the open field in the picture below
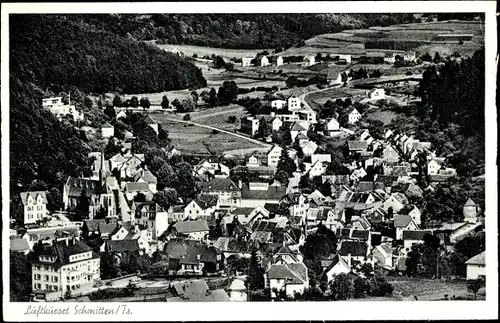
(201, 51)
(420, 37)
(318, 99)
(429, 289)
(386, 116)
(198, 140)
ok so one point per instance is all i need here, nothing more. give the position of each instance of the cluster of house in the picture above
(301, 118)
(272, 60)
(263, 214)
(57, 107)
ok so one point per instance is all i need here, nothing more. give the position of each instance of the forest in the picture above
(51, 54)
(242, 31)
(58, 52)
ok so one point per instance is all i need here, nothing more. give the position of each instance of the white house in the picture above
(470, 211)
(309, 147)
(336, 266)
(353, 115)
(273, 156)
(317, 169)
(434, 165)
(332, 127)
(289, 278)
(404, 223)
(253, 162)
(382, 255)
(263, 61)
(294, 103)
(309, 60)
(59, 109)
(66, 266)
(34, 206)
(201, 207)
(476, 266)
(194, 230)
(278, 104)
(396, 201)
(246, 61)
(107, 130)
(296, 129)
(276, 124)
(412, 237)
(376, 94)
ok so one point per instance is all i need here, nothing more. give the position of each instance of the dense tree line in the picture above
(249, 31)
(60, 51)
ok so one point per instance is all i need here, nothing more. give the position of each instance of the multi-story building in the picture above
(34, 206)
(60, 110)
(229, 194)
(66, 266)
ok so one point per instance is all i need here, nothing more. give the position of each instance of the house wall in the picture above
(278, 284)
(73, 276)
(108, 132)
(336, 270)
(476, 271)
(197, 235)
(34, 211)
(255, 203)
(292, 289)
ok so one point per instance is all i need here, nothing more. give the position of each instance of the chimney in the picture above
(240, 184)
(198, 257)
(349, 260)
(273, 113)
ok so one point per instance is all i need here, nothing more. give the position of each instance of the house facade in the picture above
(34, 206)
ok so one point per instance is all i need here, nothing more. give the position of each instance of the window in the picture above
(56, 288)
(46, 278)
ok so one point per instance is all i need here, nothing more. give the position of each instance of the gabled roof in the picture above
(206, 201)
(297, 127)
(221, 185)
(354, 248)
(336, 260)
(128, 245)
(365, 186)
(146, 175)
(132, 187)
(19, 244)
(479, 259)
(62, 251)
(469, 202)
(272, 207)
(357, 145)
(34, 195)
(107, 125)
(191, 226)
(415, 234)
(272, 193)
(295, 273)
(118, 158)
(402, 220)
(149, 120)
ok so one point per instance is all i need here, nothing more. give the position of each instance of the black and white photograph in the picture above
(170, 156)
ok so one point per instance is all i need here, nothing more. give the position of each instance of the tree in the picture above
(255, 274)
(263, 131)
(134, 102)
(185, 184)
(110, 112)
(285, 168)
(117, 101)
(83, 205)
(228, 92)
(341, 287)
(165, 198)
(211, 98)
(111, 148)
(20, 277)
(186, 117)
(426, 57)
(145, 104)
(437, 58)
(231, 119)
(474, 286)
(164, 102)
(195, 96)
(109, 266)
(166, 176)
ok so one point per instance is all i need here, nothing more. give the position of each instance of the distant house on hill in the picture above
(246, 61)
(107, 130)
(262, 61)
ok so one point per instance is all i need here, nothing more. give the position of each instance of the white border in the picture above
(275, 310)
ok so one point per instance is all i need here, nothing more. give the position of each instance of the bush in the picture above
(231, 119)
(187, 117)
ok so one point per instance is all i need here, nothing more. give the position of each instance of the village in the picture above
(316, 197)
